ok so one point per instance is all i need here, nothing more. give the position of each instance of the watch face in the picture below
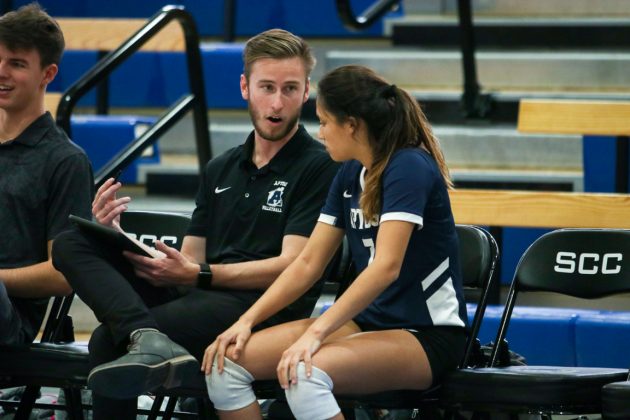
(204, 278)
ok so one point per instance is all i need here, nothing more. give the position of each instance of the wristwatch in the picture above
(204, 278)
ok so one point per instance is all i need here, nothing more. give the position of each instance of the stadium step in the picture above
(564, 71)
(480, 155)
(507, 32)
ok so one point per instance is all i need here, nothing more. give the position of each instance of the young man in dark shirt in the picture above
(255, 208)
(43, 176)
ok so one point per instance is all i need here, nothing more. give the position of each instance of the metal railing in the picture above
(195, 101)
(367, 17)
(474, 103)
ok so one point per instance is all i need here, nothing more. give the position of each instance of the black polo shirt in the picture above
(244, 212)
(44, 177)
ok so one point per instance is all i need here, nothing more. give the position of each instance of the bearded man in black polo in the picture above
(255, 208)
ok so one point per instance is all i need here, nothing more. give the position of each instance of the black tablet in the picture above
(112, 237)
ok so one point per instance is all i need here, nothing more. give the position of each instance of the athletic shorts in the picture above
(443, 345)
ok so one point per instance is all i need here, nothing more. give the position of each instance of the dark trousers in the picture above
(122, 302)
(14, 330)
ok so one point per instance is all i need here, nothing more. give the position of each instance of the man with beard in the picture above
(255, 208)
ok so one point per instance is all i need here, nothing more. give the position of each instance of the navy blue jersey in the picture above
(429, 288)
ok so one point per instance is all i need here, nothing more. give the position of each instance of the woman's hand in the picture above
(172, 269)
(302, 350)
(238, 334)
(106, 208)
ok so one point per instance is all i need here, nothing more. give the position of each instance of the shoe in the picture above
(153, 360)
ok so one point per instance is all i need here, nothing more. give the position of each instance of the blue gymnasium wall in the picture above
(304, 17)
(131, 85)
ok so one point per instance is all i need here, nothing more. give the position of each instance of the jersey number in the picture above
(369, 243)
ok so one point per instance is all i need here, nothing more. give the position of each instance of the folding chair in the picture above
(56, 361)
(478, 256)
(582, 263)
(616, 401)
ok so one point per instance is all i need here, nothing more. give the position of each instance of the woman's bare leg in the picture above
(263, 351)
(375, 361)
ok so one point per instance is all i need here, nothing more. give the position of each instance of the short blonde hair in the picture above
(277, 44)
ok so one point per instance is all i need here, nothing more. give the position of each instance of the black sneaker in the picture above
(153, 360)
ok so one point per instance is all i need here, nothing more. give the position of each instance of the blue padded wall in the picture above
(102, 137)
(600, 155)
(545, 336)
(603, 339)
(131, 85)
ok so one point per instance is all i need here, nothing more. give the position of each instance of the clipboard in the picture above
(113, 237)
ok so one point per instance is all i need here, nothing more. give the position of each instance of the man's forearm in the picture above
(250, 275)
(34, 281)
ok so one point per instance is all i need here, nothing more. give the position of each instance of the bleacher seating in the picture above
(131, 86)
(314, 19)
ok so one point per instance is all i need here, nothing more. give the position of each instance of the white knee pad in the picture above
(231, 389)
(312, 398)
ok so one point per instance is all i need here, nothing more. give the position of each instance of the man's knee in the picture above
(231, 389)
(312, 397)
(61, 250)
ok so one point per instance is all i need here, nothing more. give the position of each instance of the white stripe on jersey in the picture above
(328, 219)
(403, 217)
(444, 307)
(428, 281)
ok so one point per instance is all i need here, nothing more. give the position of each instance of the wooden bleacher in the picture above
(505, 208)
(574, 117)
(541, 209)
(109, 34)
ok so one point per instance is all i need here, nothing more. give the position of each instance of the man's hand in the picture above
(106, 208)
(173, 269)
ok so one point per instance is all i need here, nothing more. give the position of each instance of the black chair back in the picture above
(478, 256)
(582, 263)
(149, 226)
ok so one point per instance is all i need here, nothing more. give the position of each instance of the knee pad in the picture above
(232, 389)
(312, 398)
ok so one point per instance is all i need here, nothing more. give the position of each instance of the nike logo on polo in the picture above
(346, 195)
(218, 190)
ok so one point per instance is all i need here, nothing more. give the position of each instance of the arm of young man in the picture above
(35, 281)
(71, 186)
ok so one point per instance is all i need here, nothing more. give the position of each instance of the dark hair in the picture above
(28, 28)
(394, 121)
(277, 44)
